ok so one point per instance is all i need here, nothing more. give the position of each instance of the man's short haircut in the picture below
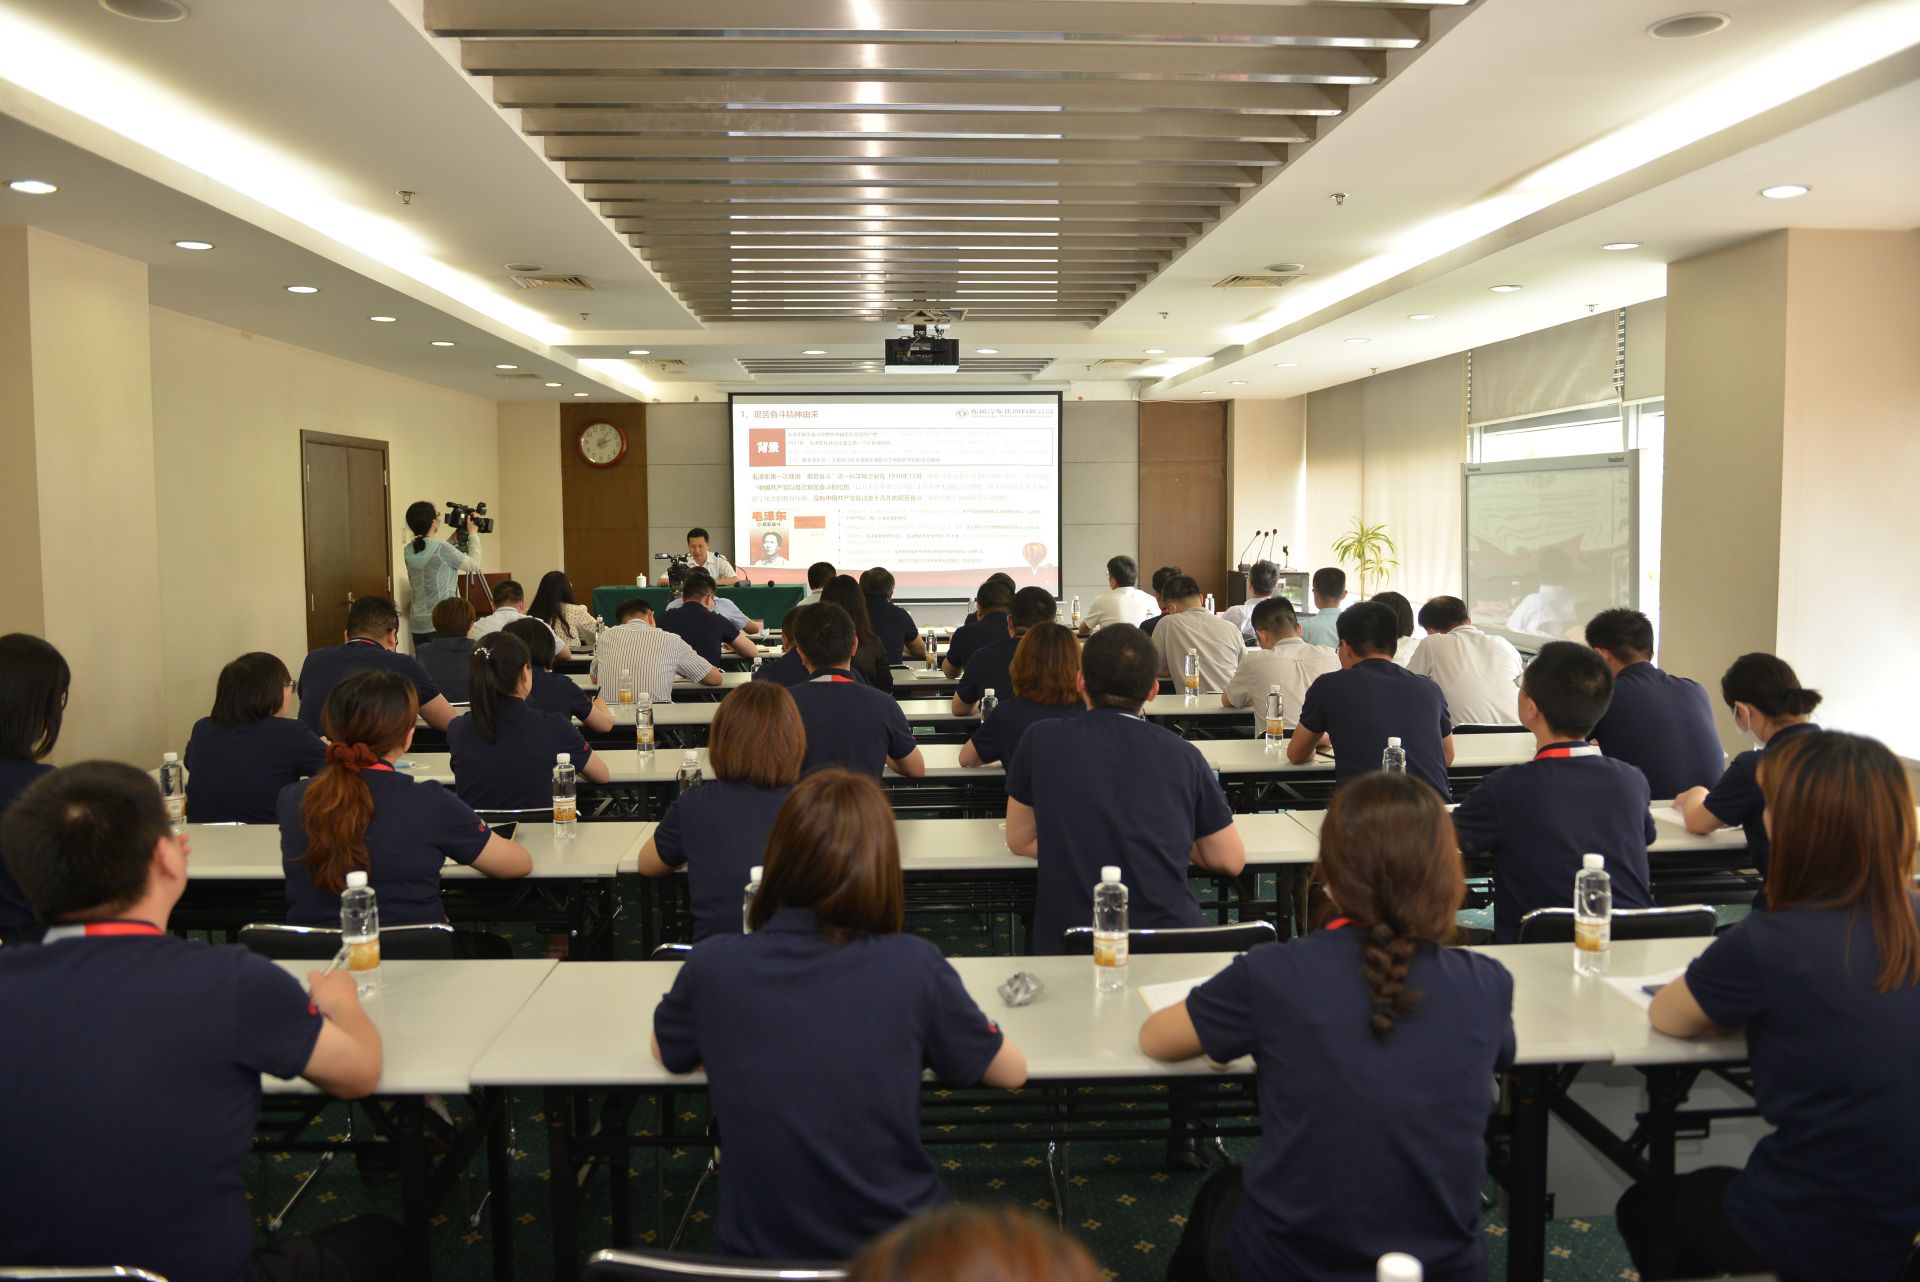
(824, 635)
(790, 618)
(1263, 578)
(1627, 634)
(819, 574)
(1275, 616)
(1181, 587)
(877, 582)
(1572, 686)
(994, 595)
(696, 585)
(1120, 665)
(1161, 575)
(1001, 576)
(1031, 606)
(1124, 570)
(250, 689)
(1369, 628)
(632, 608)
(539, 641)
(509, 592)
(1329, 582)
(80, 840)
(372, 616)
(452, 617)
(1444, 614)
(698, 533)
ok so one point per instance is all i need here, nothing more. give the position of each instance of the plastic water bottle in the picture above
(173, 789)
(1076, 614)
(753, 889)
(988, 702)
(626, 685)
(1110, 932)
(690, 776)
(360, 932)
(1190, 675)
(1592, 916)
(1394, 759)
(1209, 603)
(643, 737)
(933, 650)
(1397, 1267)
(1275, 728)
(566, 804)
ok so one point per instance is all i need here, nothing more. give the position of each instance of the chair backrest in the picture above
(1682, 921)
(1077, 941)
(89, 1273)
(672, 952)
(428, 942)
(663, 1266)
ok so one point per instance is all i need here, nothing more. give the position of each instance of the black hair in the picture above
(819, 574)
(538, 638)
(1571, 685)
(1329, 581)
(1444, 614)
(994, 595)
(1626, 634)
(555, 590)
(1275, 614)
(34, 678)
(507, 591)
(1181, 587)
(80, 840)
(697, 584)
(824, 635)
(788, 619)
(1402, 610)
(420, 519)
(372, 616)
(1031, 606)
(698, 533)
(1264, 577)
(250, 689)
(1768, 683)
(1123, 570)
(1369, 628)
(1001, 576)
(877, 582)
(1120, 667)
(1161, 575)
(493, 674)
(630, 607)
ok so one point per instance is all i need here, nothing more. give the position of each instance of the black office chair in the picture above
(90, 1273)
(1235, 937)
(433, 941)
(662, 1266)
(1682, 921)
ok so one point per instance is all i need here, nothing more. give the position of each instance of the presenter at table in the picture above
(704, 558)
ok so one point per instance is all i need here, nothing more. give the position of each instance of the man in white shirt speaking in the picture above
(1124, 603)
(1475, 670)
(1284, 659)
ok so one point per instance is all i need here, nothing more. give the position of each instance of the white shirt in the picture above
(654, 658)
(1475, 670)
(1122, 605)
(1292, 664)
(811, 598)
(715, 564)
(1545, 613)
(1241, 616)
(500, 618)
(1217, 641)
(1403, 650)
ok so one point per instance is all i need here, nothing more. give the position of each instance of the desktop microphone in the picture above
(1249, 547)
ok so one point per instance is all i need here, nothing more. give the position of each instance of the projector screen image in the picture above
(943, 490)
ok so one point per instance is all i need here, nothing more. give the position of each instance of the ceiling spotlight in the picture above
(1615, 246)
(193, 244)
(1288, 365)
(1209, 393)
(303, 289)
(506, 367)
(146, 10)
(553, 384)
(383, 320)
(1421, 316)
(639, 351)
(1236, 382)
(1506, 289)
(1156, 351)
(1780, 191)
(1359, 340)
(986, 351)
(1286, 269)
(1688, 25)
(442, 342)
(580, 393)
(33, 187)
(525, 269)
(814, 351)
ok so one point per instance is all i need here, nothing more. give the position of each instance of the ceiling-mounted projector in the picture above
(927, 351)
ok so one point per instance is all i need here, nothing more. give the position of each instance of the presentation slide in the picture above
(942, 490)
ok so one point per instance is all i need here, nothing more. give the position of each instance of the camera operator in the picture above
(434, 566)
(700, 557)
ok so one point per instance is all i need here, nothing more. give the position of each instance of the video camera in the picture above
(457, 514)
(678, 566)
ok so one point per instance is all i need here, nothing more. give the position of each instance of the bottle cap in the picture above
(755, 873)
(171, 756)
(1591, 862)
(1396, 1267)
(691, 757)
(1393, 741)
(561, 759)
(356, 880)
(1273, 689)
(989, 692)
(1110, 874)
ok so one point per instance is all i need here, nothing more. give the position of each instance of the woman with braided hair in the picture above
(1375, 1045)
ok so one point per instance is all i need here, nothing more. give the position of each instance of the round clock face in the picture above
(602, 444)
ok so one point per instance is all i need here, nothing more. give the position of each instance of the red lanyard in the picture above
(93, 929)
(1337, 923)
(1577, 750)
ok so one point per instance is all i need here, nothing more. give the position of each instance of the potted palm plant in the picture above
(1369, 550)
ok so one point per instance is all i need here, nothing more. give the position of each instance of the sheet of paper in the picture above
(1668, 815)
(1160, 996)
(1635, 986)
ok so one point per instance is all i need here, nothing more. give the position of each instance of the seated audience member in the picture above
(1370, 700)
(1538, 819)
(1322, 627)
(1403, 624)
(1000, 577)
(359, 814)
(727, 610)
(1283, 660)
(869, 662)
(1551, 609)
(991, 666)
(899, 635)
(1769, 704)
(789, 669)
(240, 757)
(1113, 788)
(445, 657)
(129, 1123)
(503, 749)
(814, 1031)
(553, 691)
(1045, 686)
(1826, 984)
(973, 1243)
(1262, 578)
(819, 574)
(33, 701)
(373, 632)
(718, 832)
(1659, 722)
(651, 657)
(1123, 602)
(1188, 625)
(849, 724)
(1475, 670)
(696, 622)
(1160, 579)
(1374, 1045)
(509, 604)
(571, 623)
(990, 623)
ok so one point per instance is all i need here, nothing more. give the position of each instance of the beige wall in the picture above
(1266, 474)
(531, 533)
(20, 583)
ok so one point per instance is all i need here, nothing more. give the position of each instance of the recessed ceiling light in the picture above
(1286, 269)
(33, 187)
(1359, 340)
(1156, 351)
(986, 351)
(639, 351)
(1506, 289)
(1209, 393)
(1685, 26)
(1780, 191)
(146, 10)
(522, 269)
(303, 289)
(1236, 382)
(1616, 246)
(580, 393)
(193, 244)
(1288, 365)
(506, 367)
(1421, 316)
(553, 384)
(442, 342)
(383, 320)
(814, 351)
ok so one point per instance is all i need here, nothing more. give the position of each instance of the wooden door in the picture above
(343, 483)
(1183, 491)
(604, 509)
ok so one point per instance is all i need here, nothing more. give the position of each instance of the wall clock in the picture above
(601, 444)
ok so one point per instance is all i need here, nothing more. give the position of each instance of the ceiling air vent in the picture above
(550, 282)
(510, 374)
(667, 365)
(1121, 362)
(1258, 280)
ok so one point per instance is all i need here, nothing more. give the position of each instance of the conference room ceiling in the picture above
(1028, 160)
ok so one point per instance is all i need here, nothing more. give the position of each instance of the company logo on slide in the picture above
(767, 446)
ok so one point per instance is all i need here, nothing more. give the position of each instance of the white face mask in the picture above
(1744, 722)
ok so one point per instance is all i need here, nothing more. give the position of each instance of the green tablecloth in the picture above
(770, 603)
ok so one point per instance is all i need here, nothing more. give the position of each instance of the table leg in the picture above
(500, 1184)
(560, 1185)
(409, 1117)
(1527, 1187)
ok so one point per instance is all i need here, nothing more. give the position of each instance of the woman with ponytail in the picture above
(434, 566)
(504, 749)
(361, 815)
(1375, 1047)
(1768, 704)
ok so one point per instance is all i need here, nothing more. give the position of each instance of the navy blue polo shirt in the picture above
(706, 631)
(417, 826)
(975, 633)
(894, 626)
(996, 738)
(718, 832)
(1112, 788)
(132, 1115)
(553, 692)
(1375, 700)
(446, 660)
(1664, 725)
(1538, 818)
(1834, 1191)
(15, 912)
(1736, 801)
(235, 773)
(850, 724)
(788, 670)
(814, 1052)
(515, 771)
(1365, 1147)
(1148, 625)
(326, 668)
(990, 668)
